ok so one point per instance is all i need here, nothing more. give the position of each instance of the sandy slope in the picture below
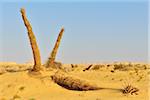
(22, 86)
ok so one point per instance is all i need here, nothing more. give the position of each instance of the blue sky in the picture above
(94, 31)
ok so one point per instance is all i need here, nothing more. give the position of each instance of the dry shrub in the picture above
(129, 66)
(97, 67)
(123, 67)
(56, 65)
(141, 66)
(73, 83)
(129, 89)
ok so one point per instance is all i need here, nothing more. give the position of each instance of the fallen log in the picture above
(73, 83)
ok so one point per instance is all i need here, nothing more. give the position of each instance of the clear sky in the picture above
(94, 31)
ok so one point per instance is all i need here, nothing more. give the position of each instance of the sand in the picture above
(18, 84)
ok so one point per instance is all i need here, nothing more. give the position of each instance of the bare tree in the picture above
(33, 43)
(51, 59)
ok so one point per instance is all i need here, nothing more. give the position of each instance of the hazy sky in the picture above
(94, 31)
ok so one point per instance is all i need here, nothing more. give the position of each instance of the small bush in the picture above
(97, 67)
(129, 89)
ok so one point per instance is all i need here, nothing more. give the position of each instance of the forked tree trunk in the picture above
(51, 59)
(34, 46)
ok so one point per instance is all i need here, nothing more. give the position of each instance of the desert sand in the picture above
(17, 84)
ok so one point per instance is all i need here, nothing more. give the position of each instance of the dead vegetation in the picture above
(129, 89)
(61, 79)
(73, 83)
(97, 66)
(36, 52)
(88, 67)
(51, 60)
(130, 66)
(33, 43)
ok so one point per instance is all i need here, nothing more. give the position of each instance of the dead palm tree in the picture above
(51, 60)
(34, 46)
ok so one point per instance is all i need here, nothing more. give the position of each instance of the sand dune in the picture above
(18, 84)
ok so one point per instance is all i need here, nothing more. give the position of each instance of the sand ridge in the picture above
(19, 85)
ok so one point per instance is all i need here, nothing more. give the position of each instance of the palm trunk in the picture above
(73, 83)
(52, 57)
(34, 46)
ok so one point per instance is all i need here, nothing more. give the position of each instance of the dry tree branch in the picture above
(88, 67)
